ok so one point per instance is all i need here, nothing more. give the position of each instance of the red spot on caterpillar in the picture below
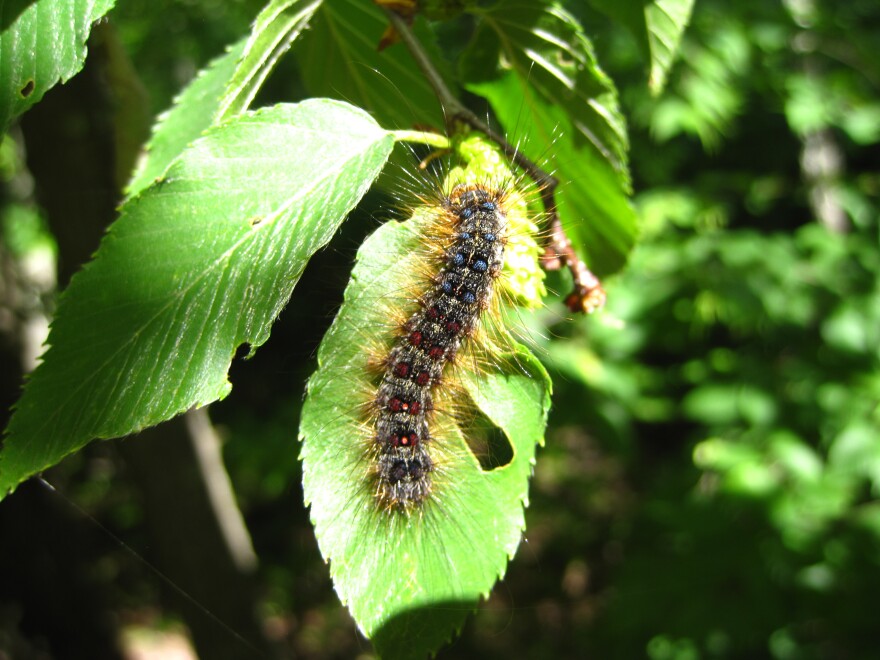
(436, 352)
(410, 439)
(423, 378)
(415, 338)
(399, 405)
(401, 370)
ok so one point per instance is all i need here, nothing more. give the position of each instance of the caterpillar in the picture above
(447, 316)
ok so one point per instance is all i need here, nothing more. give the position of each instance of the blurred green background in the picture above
(709, 486)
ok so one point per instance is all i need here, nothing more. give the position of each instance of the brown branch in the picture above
(588, 294)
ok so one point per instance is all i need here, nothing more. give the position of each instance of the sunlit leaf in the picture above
(198, 264)
(538, 70)
(594, 207)
(274, 30)
(193, 111)
(225, 87)
(547, 49)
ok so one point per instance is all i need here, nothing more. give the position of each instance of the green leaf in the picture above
(593, 205)
(193, 111)
(224, 88)
(339, 58)
(42, 43)
(665, 21)
(273, 32)
(537, 69)
(546, 48)
(410, 581)
(198, 264)
(657, 27)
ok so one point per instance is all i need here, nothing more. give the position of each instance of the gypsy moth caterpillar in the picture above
(448, 314)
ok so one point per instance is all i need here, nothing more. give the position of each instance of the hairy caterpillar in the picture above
(448, 314)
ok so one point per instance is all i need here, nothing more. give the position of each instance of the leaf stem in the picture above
(422, 137)
(588, 294)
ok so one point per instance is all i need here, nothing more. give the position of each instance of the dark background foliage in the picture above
(710, 479)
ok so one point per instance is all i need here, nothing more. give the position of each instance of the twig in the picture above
(588, 294)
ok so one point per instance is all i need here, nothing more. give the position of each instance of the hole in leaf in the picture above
(488, 443)
(28, 89)
(243, 351)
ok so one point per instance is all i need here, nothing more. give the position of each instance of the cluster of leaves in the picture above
(213, 106)
(709, 486)
(709, 483)
(739, 381)
(221, 217)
